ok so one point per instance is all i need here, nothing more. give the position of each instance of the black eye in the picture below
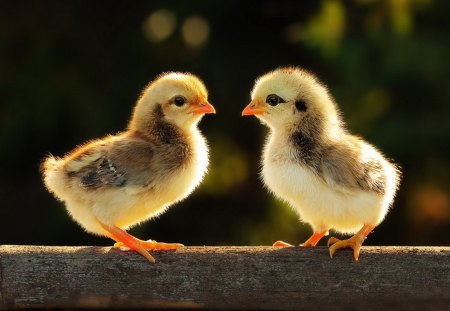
(300, 105)
(179, 101)
(274, 100)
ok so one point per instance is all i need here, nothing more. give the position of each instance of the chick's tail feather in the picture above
(49, 163)
(52, 174)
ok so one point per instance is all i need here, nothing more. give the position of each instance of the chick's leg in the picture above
(314, 239)
(128, 240)
(354, 242)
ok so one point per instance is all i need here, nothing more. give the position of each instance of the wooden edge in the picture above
(229, 277)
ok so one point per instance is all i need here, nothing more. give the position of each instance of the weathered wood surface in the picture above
(385, 278)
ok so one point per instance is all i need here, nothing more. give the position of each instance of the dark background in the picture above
(72, 70)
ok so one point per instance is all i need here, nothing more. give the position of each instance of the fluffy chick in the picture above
(111, 184)
(333, 179)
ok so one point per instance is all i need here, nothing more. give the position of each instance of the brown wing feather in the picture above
(115, 162)
(343, 166)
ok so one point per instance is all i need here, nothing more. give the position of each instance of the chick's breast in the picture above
(316, 201)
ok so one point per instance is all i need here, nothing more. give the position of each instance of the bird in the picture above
(333, 179)
(111, 184)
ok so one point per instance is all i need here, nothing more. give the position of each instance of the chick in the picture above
(333, 179)
(111, 184)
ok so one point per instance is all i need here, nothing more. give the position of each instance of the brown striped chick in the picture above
(333, 179)
(111, 184)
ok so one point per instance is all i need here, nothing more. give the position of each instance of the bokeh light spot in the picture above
(401, 17)
(323, 30)
(159, 25)
(195, 31)
(430, 203)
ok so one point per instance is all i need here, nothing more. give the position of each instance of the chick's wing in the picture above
(119, 163)
(347, 168)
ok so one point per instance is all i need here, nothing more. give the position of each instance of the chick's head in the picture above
(290, 97)
(178, 98)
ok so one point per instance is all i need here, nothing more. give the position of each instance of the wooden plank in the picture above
(264, 278)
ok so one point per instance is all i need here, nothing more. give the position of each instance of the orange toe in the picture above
(282, 244)
(355, 242)
(151, 245)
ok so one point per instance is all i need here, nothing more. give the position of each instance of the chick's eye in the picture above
(179, 101)
(274, 100)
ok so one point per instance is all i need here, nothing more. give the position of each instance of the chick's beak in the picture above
(254, 108)
(203, 107)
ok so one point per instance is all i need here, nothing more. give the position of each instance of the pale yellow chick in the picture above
(333, 179)
(111, 184)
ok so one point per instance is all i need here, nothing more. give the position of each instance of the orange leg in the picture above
(314, 239)
(128, 240)
(354, 242)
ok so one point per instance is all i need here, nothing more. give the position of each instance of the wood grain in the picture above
(264, 278)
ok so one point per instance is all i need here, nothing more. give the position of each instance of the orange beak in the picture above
(253, 109)
(203, 107)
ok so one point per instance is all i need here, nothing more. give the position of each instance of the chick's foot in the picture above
(151, 245)
(355, 242)
(127, 240)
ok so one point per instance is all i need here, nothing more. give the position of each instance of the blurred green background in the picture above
(72, 70)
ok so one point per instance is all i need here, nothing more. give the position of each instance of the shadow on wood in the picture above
(407, 278)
